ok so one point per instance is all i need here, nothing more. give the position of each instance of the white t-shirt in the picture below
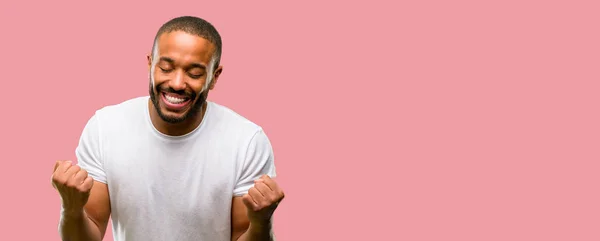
(173, 188)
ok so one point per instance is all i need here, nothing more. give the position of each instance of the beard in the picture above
(198, 101)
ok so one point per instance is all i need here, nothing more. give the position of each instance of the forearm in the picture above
(76, 226)
(258, 233)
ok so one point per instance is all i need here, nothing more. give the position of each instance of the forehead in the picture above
(183, 47)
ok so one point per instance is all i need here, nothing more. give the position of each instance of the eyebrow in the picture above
(192, 65)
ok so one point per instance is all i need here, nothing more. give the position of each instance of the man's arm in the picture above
(89, 223)
(239, 218)
(256, 195)
(241, 228)
(87, 220)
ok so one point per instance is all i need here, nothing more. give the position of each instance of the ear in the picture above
(216, 77)
(149, 57)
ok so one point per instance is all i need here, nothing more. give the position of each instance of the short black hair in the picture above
(195, 26)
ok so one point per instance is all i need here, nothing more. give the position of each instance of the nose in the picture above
(178, 82)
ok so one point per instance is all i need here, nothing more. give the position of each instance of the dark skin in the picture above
(182, 70)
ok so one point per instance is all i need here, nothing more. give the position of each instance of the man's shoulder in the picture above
(125, 107)
(231, 118)
(120, 114)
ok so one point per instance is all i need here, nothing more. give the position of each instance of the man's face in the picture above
(179, 70)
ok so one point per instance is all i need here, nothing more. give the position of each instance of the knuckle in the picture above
(82, 188)
(64, 182)
(58, 179)
(76, 168)
(79, 189)
(71, 181)
(69, 184)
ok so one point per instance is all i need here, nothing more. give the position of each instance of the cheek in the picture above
(157, 74)
(158, 78)
(196, 85)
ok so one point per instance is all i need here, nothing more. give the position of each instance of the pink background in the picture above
(420, 120)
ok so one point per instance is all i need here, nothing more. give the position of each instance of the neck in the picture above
(175, 129)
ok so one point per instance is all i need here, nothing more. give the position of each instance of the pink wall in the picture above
(432, 120)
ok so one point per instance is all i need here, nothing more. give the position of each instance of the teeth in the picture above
(174, 100)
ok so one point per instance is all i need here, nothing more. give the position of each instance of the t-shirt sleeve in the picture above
(88, 150)
(259, 160)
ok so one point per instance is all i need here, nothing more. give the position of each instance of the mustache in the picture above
(189, 94)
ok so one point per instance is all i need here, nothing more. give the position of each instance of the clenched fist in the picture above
(73, 184)
(262, 199)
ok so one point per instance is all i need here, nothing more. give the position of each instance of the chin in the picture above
(172, 116)
(175, 109)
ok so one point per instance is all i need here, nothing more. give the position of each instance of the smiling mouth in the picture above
(175, 102)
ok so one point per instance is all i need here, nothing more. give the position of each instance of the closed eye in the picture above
(195, 76)
(165, 70)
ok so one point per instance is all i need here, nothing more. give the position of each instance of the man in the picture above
(171, 165)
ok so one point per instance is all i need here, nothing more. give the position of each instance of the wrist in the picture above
(261, 226)
(72, 213)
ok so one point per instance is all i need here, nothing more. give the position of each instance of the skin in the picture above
(181, 68)
(85, 203)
